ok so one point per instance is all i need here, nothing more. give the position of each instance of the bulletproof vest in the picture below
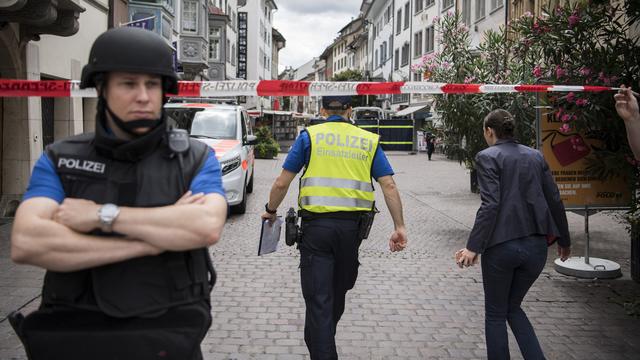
(141, 286)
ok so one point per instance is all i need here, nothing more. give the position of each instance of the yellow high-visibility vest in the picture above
(338, 176)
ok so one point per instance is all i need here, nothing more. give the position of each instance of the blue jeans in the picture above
(508, 271)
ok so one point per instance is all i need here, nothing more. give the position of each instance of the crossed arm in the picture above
(54, 236)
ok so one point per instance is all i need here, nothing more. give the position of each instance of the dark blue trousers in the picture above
(508, 271)
(328, 269)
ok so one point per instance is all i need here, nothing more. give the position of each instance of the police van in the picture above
(367, 113)
(227, 129)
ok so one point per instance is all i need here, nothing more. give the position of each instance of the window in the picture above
(214, 43)
(384, 50)
(466, 12)
(480, 9)
(428, 39)
(418, 6)
(387, 15)
(407, 15)
(381, 55)
(396, 60)
(233, 54)
(429, 3)
(190, 16)
(399, 21)
(374, 31)
(446, 4)
(405, 54)
(376, 58)
(495, 4)
(214, 49)
(227, 51)
(417, 43)
(166, 28)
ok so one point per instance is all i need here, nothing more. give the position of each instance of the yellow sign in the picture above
(566, 155)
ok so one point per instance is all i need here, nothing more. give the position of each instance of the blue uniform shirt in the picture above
(46, 183)
(300, 153)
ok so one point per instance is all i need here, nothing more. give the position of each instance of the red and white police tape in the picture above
(71, 88)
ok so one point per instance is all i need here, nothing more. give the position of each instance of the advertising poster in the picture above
(566, 153)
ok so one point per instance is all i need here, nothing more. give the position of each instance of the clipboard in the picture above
(269, 236)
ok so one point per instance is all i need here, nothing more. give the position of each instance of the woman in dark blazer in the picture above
(520, 210)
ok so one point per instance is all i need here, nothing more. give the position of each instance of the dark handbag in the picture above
(81, 334)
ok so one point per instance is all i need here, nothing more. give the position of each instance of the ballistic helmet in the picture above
(130, 49)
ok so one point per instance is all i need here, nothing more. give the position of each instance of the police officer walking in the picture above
(121, 220)
(336, 195)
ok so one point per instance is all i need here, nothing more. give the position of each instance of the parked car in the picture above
(226, 129)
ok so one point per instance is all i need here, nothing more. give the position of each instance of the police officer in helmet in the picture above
(121, 220)
(336, 194)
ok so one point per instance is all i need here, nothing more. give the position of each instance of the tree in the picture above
(493, 62)
(348, 75)
(352, 75)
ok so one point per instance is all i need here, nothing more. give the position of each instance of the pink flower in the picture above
(560, 72)
(571, 97)
(469, 79)
(565, 128)
(537, 71)
(436, 19)
(566, 118)
(574, 19)
(582, 102)
(585, 71)
(527, 14)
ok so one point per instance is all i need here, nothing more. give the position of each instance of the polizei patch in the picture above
(81, 165)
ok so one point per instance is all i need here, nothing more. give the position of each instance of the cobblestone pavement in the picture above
(411, 305)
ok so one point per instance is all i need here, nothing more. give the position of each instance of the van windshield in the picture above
(219, 124)
(367, 114)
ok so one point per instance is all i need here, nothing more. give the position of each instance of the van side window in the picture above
(244, 126)
(248, 124)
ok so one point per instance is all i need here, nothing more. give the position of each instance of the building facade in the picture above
(34, 46)
(255, 23)
(278, 43)
(223, 36)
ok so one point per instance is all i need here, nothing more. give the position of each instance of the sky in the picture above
(310, 26)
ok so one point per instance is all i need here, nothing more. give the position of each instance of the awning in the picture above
(410, 110)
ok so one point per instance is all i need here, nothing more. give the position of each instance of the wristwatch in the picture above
(107, 215)
(266, 208)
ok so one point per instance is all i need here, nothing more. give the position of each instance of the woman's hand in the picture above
(465, 257)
